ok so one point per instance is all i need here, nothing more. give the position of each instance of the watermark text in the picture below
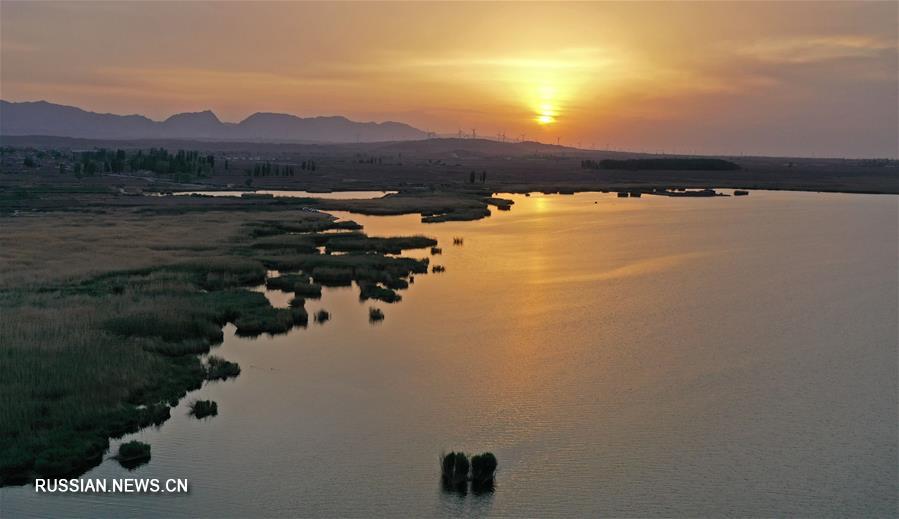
(112, 486)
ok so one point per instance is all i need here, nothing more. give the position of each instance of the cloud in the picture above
(816, 49)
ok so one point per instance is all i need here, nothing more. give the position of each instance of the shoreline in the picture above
(132, 322)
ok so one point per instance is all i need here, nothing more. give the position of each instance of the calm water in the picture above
(333, 195)
(631, 357)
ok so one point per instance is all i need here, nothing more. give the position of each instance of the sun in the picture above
(546, 107)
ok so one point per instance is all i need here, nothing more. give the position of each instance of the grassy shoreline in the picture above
(99, 347)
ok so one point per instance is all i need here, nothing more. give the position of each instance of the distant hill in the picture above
(43, 118)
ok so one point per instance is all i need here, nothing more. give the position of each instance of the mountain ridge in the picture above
(51, 119)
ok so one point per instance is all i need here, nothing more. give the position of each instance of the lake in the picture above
(621, 357)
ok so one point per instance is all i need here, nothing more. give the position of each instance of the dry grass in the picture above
(86, 340)
(103, 313)
(46, 248)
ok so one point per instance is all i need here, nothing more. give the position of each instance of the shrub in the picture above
(133, 453)
(203, 408)
(264, 320)
(322, 316)
(373, 291)
(454, 467)
(396, 283)
(218, 368)
(483, 467)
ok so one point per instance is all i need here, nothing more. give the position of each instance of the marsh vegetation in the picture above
(138, 297)
(203, 408)
(218, 368)
(133, 454)
(483, 469)
(455, 467)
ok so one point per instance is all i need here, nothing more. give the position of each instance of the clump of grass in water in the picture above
(297, 283)
(203, 408)
(218, 368)
(396, 283)
(375, 315)
(436, 269)
(374, 291)
(483, 469)
(133, 454)
(454, 470)
(362, 243)
(322, 316)
(264, 320)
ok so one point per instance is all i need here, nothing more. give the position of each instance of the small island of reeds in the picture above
(218, 368)
(455, 467)
(203, 408)
(133, 454)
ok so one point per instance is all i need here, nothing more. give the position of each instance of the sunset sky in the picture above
(794, 78)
